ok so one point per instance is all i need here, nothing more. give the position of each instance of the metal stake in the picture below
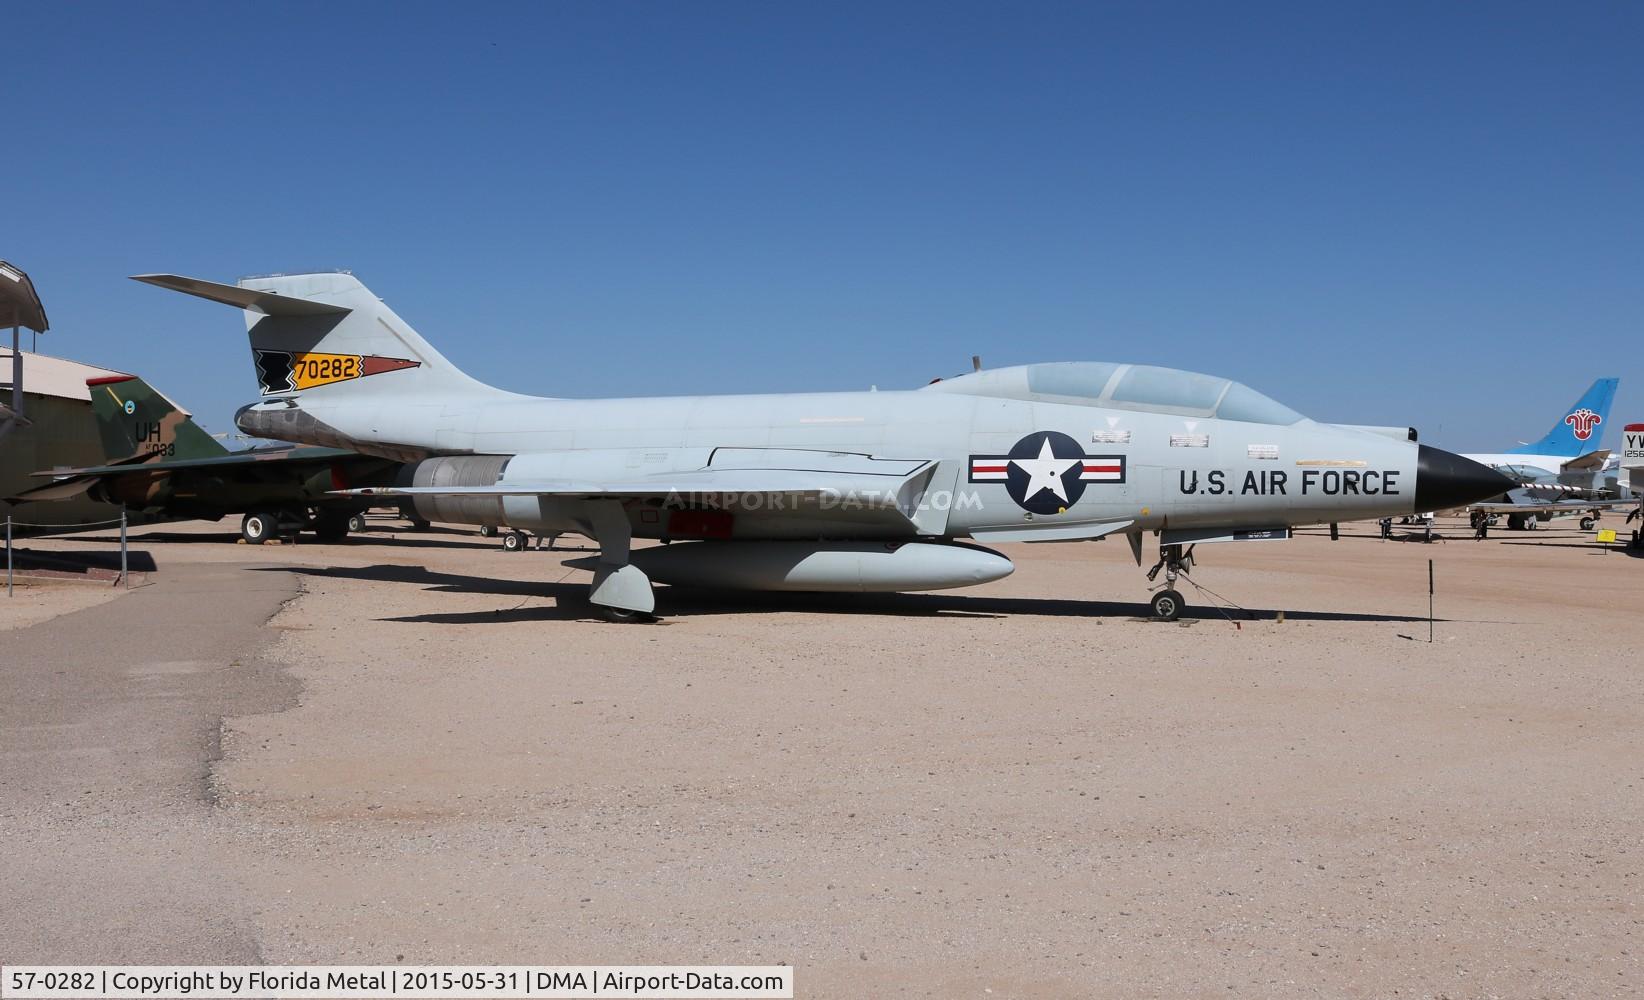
(8, 555)
(1429, 600)
(125, 580)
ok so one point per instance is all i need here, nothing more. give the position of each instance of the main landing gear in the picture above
(621, 592)
(331, 526)
(1175, 560)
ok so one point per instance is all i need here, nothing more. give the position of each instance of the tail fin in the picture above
(327, 335)
(1581, 428)
(135, 419)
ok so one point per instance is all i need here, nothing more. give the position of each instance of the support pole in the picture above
(16, 372)
(8, 555)
(125, 580)
(1429, 600)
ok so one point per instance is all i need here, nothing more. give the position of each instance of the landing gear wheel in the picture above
(258, 527)
(330, 528)
(488, 531)
(356, 523)
(418, 524)
(514, 541)
(1588, 524)
(1168, 605)
(621, 616)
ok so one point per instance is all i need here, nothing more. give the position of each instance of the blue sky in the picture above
(1429, 214)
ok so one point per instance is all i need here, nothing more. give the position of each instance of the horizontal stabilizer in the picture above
(268, 303)
(1593, 460)
(66, 489)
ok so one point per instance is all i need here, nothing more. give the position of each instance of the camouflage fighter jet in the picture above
(158, 462)
(847, 491)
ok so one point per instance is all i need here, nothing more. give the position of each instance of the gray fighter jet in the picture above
(847, 491)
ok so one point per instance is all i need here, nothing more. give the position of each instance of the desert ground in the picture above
(417, 748)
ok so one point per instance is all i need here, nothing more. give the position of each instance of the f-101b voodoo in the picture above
(858, 491)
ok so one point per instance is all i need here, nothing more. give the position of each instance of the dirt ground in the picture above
(435, 754)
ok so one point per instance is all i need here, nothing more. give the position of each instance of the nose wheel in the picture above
(1168, 605)
(1175, 561)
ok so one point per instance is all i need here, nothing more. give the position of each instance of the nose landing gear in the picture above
(1175, 560)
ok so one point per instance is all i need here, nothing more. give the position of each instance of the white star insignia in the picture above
(1045, 472)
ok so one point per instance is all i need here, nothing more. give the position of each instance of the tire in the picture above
(356, 522)
(259, 526)
(418, 524)
(514, 541)
(621, 616)
(330, 529)
(1588, 524)
(1168, 605)
(488, 531)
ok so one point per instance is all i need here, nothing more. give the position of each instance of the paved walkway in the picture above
(109, 721)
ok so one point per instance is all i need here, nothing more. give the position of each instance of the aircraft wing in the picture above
(236, 458)
(1551, 507)
(739, 481)
(852, 486)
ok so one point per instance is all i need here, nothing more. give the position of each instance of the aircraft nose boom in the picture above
(1445, 480)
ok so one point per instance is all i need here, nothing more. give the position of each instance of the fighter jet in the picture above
(845, 491)
(160, 465)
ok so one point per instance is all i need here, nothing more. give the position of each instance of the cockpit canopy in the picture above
(1525, 474)
(1124, 387)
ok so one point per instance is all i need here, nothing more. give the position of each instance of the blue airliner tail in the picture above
(1581, 427)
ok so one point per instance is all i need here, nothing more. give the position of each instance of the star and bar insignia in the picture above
(1046, 471)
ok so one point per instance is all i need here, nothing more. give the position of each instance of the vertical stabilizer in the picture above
(1581, 427)
(133, 419)
(326, 336)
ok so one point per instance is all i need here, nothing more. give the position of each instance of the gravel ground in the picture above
(436, 755)
(35, 601)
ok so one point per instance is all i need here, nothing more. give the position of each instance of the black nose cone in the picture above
(1445, 480)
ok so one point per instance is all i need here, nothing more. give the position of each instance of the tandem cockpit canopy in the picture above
(1125, 387)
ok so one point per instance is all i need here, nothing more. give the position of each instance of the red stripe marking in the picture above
(109, 380)
(1104, 468)
(989, 468)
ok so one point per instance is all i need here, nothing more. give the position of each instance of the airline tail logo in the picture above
(1582, 422)
(288, 371)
